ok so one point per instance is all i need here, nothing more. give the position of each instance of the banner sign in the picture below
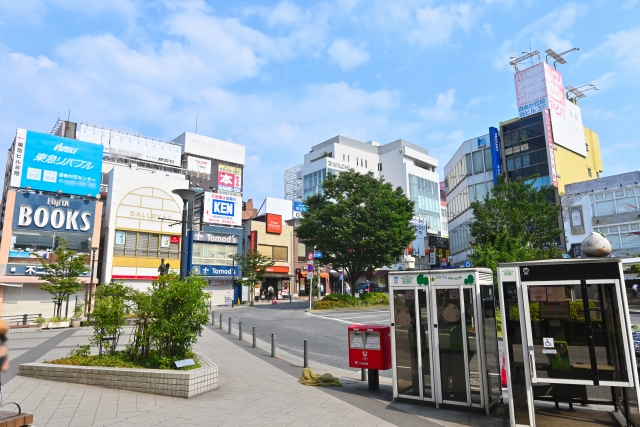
(197, 164)
(418, 244)
(199, 236)
(496, 160)
(548, 134)
(274, 223)
(229, 180)
(222, 209)
(253, 241)
(215, 270)
(50, 213)
(52, 163)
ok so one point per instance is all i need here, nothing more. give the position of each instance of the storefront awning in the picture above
(12, 285)
(304, 274)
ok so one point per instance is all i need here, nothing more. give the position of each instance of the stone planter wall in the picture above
(156, 381)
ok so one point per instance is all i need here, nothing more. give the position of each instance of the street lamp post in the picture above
(186, 195)
(93, 259)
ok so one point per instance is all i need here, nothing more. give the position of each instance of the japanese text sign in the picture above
(222, 209)
(51, 163)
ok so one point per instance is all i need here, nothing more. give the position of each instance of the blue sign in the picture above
(565, 256)
(317, 254)
(468, 264)
(52, 213)
(496, 160)
(221, 207)
(215, 270)
(341, 274)
(482, 142)
(299, 207)
(52, 163)
(310, 268)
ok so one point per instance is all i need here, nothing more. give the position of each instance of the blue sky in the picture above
(279, 77)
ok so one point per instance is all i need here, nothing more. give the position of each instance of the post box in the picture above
(370, 347)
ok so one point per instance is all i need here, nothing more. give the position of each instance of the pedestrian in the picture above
(321, 289)
(634, 290)
(270, 290)
(4, 352)
(347, 289)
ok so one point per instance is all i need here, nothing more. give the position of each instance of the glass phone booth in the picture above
(444, 337)
(568, 343)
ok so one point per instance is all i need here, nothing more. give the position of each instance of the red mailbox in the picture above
(370, 347)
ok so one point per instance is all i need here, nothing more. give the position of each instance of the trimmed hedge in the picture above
(347, 301)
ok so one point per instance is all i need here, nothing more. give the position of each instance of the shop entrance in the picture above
(568, 344)
(444, 340)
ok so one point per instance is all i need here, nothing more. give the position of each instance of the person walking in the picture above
(270, 290)
(347, 289)
(634, 290)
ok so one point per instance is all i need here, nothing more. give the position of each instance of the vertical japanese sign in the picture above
(253, 241)
(52, 163)
(496, 160)
(548, 134)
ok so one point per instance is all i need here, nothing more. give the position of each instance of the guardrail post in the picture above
(24, 319)
(254, 337)
(220, 322)
(229, 331)
(213, 314)
(240, 331)
(306, 354)
(273, 345)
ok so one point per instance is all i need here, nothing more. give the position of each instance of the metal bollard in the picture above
(363, 374)
(213, 314)
(240, 331)
(306, 354)
(273, 345)
(374, 380)
(254, 337)
(220, 322)
(229, 331)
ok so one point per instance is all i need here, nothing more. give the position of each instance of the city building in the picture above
(610, 206)
(51, 192)
(469, 176)
(400, 162)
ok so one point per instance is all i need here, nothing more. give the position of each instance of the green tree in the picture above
(253, 266)
(109, 316)
(359, 223)
(179, 311)
(516, 222)
(61, 276)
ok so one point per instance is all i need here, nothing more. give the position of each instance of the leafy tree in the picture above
(516, 222)
(359, 223)
(61, 276)
(253, 266)
(109, 316)
(179, 311)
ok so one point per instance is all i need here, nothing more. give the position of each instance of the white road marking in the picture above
(346, 320)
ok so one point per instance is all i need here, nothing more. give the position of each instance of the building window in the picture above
(478, 165)
(379, 167)
(589, 172)
(132, 244)
(587, 147)
(343, 156)
(426, 195)
(213, 253)
(312, 183)
(366, 165)
(25, 243)
(274, 253)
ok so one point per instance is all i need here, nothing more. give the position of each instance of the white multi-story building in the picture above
(400, 162)
(468, 177)
(608, 205)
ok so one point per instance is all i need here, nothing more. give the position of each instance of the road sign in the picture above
(468, 264)
(310, 268)
(341, 274)
(309, 256)
(317, 254)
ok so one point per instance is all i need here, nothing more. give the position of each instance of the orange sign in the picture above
(276, 269)
(274, 223)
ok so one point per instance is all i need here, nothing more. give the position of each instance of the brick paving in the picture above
(255, 390)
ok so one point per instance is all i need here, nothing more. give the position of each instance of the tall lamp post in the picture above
(93, 260)
(186, 195)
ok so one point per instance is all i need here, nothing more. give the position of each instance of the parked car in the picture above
(369, 287)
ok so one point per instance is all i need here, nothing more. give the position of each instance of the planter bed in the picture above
(155, 381)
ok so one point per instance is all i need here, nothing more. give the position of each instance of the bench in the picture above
(13, 419)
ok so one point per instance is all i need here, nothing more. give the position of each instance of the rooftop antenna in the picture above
(515, 61)
(69, 116)
(557, 57)
(578, 92)
(196, 123)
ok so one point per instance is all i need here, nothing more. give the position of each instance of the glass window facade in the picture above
(25, 243)
(459, 239)
(145, 245)
(213, 253)
(615, 202)
(312, 183)
(472, 163)
(426, 195)
(525, 148)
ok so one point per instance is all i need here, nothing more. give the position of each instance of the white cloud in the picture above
(622, 47)
(434, 26)
(480, 100)
(346, 55)
(442, 112)
(551, 31)
(285, 13)
(629, 4)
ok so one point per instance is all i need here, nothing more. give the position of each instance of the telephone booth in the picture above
(568, 343)
(444, 342)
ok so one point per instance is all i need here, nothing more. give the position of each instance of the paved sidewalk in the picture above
(255, 390)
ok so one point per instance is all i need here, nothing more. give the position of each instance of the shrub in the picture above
(328, 305)
(108, 316)
(342, 297)
(40, 320)
(374, 298)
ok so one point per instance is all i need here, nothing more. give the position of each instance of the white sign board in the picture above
(420, 227)
(197, 164)
(222, 209)
(213, 148)
(539, 87)
(281, 207)
(567, 129)
(120, 144)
